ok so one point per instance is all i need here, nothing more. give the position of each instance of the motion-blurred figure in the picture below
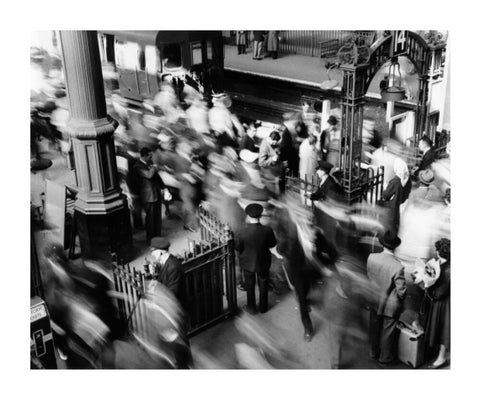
(395, 195)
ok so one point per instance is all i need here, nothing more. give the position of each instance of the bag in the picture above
(410, 345)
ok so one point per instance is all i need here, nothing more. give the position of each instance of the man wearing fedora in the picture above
(387, 277)
(253, 242)
(166, 268)
(328, 187)
(427, 190)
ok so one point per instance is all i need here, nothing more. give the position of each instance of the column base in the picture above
(102, 234)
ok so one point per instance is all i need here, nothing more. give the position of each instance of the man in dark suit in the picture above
(425, 145)
(253, 242)
(387, 276)
(328, 187)
(151, 185)
(166, 268)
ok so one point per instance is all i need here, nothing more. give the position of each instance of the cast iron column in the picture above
(353, 96)
(100, 209)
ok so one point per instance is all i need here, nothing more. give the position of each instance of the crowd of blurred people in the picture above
(185, 150)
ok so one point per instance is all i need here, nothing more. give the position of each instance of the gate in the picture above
(370, 189)
(209, 278)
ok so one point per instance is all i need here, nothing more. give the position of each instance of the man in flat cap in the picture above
(166, 268)
(327, 185)
(253, 242)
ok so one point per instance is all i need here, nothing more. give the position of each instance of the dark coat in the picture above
(427, 159)
(151, 183)
(438, 322)
(394, 195)
(288, 152)
(388, 279)
(327, 190)
(253, 243)
(171, 276)
(258, 35)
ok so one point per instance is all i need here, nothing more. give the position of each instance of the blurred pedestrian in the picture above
(396, 194)
(166, 268)
(387, 276)
(151, 185)
(241, 39)
(253, 243)
(258, 37)
(272, 43)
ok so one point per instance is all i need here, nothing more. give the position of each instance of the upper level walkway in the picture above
(311, 71)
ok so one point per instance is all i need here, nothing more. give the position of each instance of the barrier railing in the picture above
(323, 43)
(209, 279)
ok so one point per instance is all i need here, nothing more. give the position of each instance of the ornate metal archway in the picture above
(427, 60)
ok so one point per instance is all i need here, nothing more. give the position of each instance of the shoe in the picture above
(340, 292)
(307, 336)
(62, 355)
(437, 366)
(246, 309)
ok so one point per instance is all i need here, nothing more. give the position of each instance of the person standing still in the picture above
(257, 44)
(387, 276)
(253, 242)
(272, 43)
(151, 185)
(241, 41)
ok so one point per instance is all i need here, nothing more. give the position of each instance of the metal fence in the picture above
(324, 43)
(209, 279)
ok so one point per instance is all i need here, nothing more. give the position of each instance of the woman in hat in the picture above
(438, 322)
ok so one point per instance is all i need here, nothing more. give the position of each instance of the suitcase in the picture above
(410, 346)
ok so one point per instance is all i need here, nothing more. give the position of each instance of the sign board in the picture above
(41, 337)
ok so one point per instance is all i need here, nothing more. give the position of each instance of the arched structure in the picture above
(427, 60)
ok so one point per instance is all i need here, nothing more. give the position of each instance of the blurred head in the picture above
(312, 139)
(425, 143)
(447, 196)
(146, 154)
(332, 120)
(400, 168)
(443, 248)
(274, 138)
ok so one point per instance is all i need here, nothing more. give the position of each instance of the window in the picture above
(172, 55)
(209, 50)
(196, 53)
(131, 55)
(152, 59)
(119, 59)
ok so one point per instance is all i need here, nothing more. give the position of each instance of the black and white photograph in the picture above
(275, 204)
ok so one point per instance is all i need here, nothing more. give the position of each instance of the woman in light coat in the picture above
(272, 43)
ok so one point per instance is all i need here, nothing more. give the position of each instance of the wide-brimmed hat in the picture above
(248, 156)
(160, 243)
(326, 166)
(254, 210)
(426, 176)
(390, 240)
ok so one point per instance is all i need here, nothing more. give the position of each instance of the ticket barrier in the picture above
(41, 339)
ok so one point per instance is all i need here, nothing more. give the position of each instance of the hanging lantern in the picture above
(394, 90)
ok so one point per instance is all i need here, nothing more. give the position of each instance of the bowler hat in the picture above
(254, 210)
(426, 176)
(326, 166)
(332, 120)
(160, 243)
(390, 240)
